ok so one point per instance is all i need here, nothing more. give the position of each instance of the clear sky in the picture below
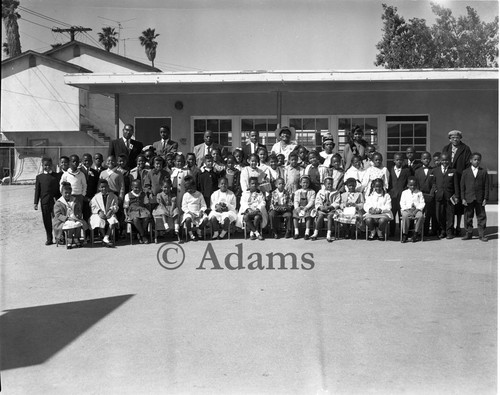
(234, 34)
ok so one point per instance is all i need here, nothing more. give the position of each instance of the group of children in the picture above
(172, 192)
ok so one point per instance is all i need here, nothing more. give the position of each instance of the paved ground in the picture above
(370, 317)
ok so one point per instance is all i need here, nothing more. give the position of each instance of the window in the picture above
(221, 128)
(403, 132)
(309, 131)
(368, 124)
(265, 126)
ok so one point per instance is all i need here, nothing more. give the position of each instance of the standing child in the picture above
(281, 206)
(411, 162)
(436, 158)
(168, 208)
(219, 165)
(114, 178)
(378, 210)
(376, 171)
(140, 172)
(155, 178)
(474, 190)
(304, 204)
(104, 206)
(337, 173)
(356, 171)
(123, 168)
(275, 171)
(447, 193)
(281, 160)
(46, 192)
(136, 211)
(253, 171)
(76, 178)
(370, 151)
(424, 177)
(68, 217)
(293, 172)
(398, 180)
(315, 171)
(233, 179)
(253, 208)
(303, 155)
(327, 202)
(98, 163)
(179, 173)
(191, 167)
(208, 179)
(351, 204)
(241, 162)
(223, 205)
(193, 208)
(412, 205)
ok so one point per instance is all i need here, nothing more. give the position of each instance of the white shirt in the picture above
(474, 171)
(397, 171)
(409, 198)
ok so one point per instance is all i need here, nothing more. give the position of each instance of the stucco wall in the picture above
(37, 99)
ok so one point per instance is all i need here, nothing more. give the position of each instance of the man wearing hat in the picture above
(328, 146)
(460, 155)
(285, 144)
(253, 145)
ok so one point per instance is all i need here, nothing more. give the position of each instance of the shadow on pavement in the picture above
(31, 335)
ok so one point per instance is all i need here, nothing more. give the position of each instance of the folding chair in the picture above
(411, 229)
(130, 227)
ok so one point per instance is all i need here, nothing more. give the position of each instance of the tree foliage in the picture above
(10, 17)
(108, 38)
(148, 42)
(463, 42)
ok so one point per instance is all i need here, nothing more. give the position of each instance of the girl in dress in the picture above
(351, 204)
(304, 207)
(219, 165)
(193, 208)
(68, 216)
(378, 210)
(252, 170)
(179, 172)
(356, 171)
(136, 211)
(223, 205)
(239, 156)
(253, 209)
(167, 208)
(233, 178)
(292, 173)
(377, 171)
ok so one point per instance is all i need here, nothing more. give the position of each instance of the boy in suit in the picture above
(410, 161)
(398, 179)
(474, 190)
(252, 147)
(424, 177)
(447, 193)
(47, 191)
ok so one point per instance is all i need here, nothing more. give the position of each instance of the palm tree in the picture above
(148, 42)
(108, 38)
(10, 17)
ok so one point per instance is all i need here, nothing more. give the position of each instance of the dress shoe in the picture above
(442, 235)
(483, 238)
(404, 239)
(288, 234)
(306, 237)
(458, 232)
(415, 238)
(467, 236)
(450, 236)
(261, 237)
(49, 242)
(275, 235)
(295, 237)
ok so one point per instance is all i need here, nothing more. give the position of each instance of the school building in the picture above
(396, 108)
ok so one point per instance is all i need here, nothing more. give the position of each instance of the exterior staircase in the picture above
(96, 134)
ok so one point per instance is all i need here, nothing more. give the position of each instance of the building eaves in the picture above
(78, 69)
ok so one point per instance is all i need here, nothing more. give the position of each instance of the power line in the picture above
(27, 20)
(40, 15)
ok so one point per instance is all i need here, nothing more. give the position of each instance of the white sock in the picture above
(315, 233)
(307, 231)
(257, 233)
(296, 231)
(222, 234)
(328, 233)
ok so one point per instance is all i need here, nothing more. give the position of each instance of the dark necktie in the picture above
(104, 199)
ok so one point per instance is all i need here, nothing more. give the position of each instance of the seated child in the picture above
(223, 205)
(136, 211)
(412, 204)
(104, 206)
(281, 206)
(168, 208)
(193, 208)
(253, 208)
(327, 202)
(68, 216)
(304, 205)
(378, 210)
(351, 204)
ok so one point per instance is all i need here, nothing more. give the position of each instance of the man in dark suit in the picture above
(126, 145)
(204, 148)
(424, 177)
(165, 145)
(253, 145)
(46, 192)
(411, 162)
(474, 190)
(447, 193)
(398, 179)
(459, 154)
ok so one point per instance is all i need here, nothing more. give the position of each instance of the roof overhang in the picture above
(263, 80)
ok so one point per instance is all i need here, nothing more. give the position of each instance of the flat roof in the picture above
(286, 76)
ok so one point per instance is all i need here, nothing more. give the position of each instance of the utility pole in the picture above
(72, 30)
